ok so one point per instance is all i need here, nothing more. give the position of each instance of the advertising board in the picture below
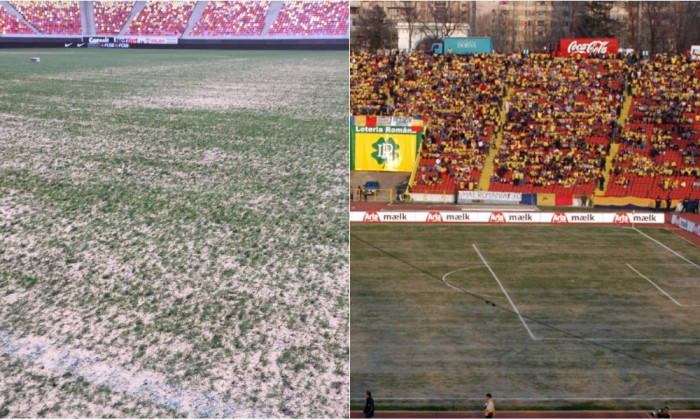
(384, 148)
(507, 217)
(585, 46)
(468, 45)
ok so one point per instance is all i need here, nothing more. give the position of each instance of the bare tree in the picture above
(632, 25)
(654, 17)
(374, 30)
(408, 12)
(446, 17)
(496, 25)
(682, 23)
(562, 20)
(593, 19)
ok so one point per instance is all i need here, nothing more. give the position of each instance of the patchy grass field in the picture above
(585, 328)
(173, 234)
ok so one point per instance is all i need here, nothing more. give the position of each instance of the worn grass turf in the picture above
(604, 336)
(173, 233)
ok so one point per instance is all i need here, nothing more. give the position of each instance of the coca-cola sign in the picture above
(586, 46)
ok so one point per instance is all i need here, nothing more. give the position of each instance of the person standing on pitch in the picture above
(369, 406)
(489, 407)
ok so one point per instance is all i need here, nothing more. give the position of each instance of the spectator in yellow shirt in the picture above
(489, 407)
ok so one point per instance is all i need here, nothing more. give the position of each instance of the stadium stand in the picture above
(559, 124)
(223, 18)
(214, 19)
(303, 18)
(11, 25)
(560, 131)
(659, 154)
(162, 19)
(460, 96)
(51, 18)
(111, 16)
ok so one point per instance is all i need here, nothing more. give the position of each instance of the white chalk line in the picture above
(535, 399)
(668, 249)
(641, 340)
(141, 384)
(454, 286)
(596, 339)
(505, 292)
(660, 289)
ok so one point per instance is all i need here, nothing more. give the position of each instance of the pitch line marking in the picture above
(444, 277)
(660, 289)
(641, 340)
(538, 399)
(505, 292)
(669, 249)
(454, 286)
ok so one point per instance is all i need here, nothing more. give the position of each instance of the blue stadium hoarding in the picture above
(468, 45)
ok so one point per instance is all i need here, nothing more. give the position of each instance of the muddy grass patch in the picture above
(202, 251)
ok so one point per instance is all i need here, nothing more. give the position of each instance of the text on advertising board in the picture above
(585, 46)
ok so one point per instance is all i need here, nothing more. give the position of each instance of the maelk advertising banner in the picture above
(506, 217)
(384, 148)
(586, 46)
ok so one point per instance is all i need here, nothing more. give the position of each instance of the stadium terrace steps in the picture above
(271, 17)
(624, 114)
(489, 165)
(84, 30)
(7, 6)
(615, 147)
(195, 17)
(87, 17)
(138, 7)
(487, 170)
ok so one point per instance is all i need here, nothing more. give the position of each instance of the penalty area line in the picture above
(641, 340)
(659, 288)
(505, 293)
(668, 249)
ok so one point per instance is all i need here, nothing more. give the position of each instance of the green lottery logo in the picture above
(386, 151)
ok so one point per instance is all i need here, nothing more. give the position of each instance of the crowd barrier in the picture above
(495, 197)
(623, 218)
(685, 224)
(632, 202)
(540, 199)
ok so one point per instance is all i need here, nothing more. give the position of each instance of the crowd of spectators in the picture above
(160, 18)
(459, 96)
(312, 18)
(560, 119)
(12, 25)
(659, 154)
(111, 16)
(51, 18)
(224, 18)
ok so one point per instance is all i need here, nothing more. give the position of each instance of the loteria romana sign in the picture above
(586, 46)
(384, 148)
